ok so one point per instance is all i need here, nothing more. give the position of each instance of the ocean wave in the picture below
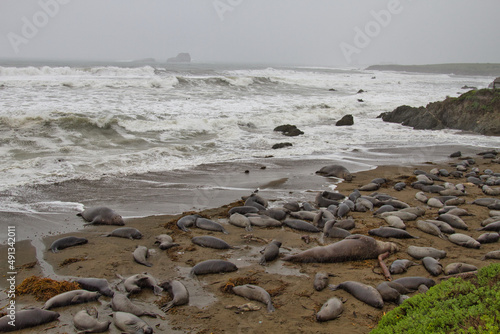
(100, 71)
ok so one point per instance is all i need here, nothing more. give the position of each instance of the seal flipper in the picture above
(270, 307)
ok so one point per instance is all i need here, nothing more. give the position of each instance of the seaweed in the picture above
(44, 288)
(232, 282)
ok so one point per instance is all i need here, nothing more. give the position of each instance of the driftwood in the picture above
(382, 264)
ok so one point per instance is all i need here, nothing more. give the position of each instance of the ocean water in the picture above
(80, 123)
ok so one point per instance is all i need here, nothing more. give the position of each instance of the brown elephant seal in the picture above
(352, 248)
(178, 293)
(165, 241)
(140, 254)
(100, 285)
(121, 303)
(129, 323)
(432, 265)
(363, 292)
(330, 310)
(270, 252)
(401, 266)
(210, 242)
(337, 171)
(321, 280)
(71, 298)
(26, 319)
(213, 267)
(136, 283)
(125, 232)
(101, 216)
(254, 292)
(86, 321)
(66, 242)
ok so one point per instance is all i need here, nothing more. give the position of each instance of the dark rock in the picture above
(360, 91)
(289, 130)
(180, 58)
(332, 90)
(456, 154)
(346, 120)
(281, 145)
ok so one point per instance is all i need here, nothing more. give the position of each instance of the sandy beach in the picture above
(211, 310)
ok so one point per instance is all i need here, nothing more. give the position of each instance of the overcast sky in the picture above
(306, 32)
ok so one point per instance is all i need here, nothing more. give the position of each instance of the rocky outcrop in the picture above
(281, 145)
(346, 120)
(289, 130)
(475, 111)
(180, 58)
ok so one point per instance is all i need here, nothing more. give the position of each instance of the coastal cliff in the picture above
(475, 111)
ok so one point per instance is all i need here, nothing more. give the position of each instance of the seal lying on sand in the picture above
(354, 247)
(336, 171)
(71, 298)
(101, 216)
(27, 318)
(86, 321)
(66, 242)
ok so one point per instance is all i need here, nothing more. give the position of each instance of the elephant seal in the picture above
(453, 221)
(464, 240)
(391, 232)
(86, 321)
(136, 283)
(354, 247)
(321, 281)
(432, 265)
(27, 318)
(413, 282)
(264, 221)
(391, 292)
(401, 266)
(243, 210)
(121, 303)
(330, 310)
(421, 252)
(301, 225)
(129, 323)
(239, 220)
(209, 225)
(363, 292)
(101, 216)
(254, 292)
(140, 254)
(270, 252)
(210, 242)
(335, 232)
(213, 267)
(71, 298)
(66, 242)
(257, 201)
(100, 285)
(489, 237)
(178, 293)
(165, 241)
(125, 232)
(338, 171)
(458, 267)
(187, 221)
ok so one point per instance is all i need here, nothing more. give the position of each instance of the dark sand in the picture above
(290, 284)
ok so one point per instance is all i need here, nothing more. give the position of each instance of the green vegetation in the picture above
(457, 69)
(457, 305)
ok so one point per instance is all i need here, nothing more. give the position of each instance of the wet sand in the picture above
(290, 284)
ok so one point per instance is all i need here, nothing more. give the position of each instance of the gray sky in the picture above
(308, 32)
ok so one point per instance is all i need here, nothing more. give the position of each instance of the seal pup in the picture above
(210, 242)
(121, 303)
(464, 240)
(140, 254)
(125, 232)
(401, 266)
(213, 267)
(256, 201)
(71, 298)
(187, 221)
(391, 232)
(301, 225)
(165, 241)
(239, 220)
(129, 323)
(353, 247)
(254, 292)
(100, 285)
(489, 237)
(458, 267)
(86, 321)
(391, 292)
(337, 171)
(209, 225)
(270, 252)
(453, 221)
(178, 293)
(413, 282)
(101, 216)
(66, 242)
(363, 292)
(421, 252)
(137, 282)
(321, 280)
(27, 318)
(432, 265)
(330, 310)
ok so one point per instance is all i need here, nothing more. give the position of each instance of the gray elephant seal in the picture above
(129, 323)
(254, 292)
(213, 267)
(301, 225)
(165, 241)
(270, 252)
(136, 283)
(421, 252)
(100, 285)
(432, 265)
(464, 240)
(321, 281)
(125, 232)
(354, 247)
(210, 225)
(489, 237)
(413, 282)
(391, 292)
(101, 216)
(210, 242)
(330, 310)
(187, 221)
(401, 266)
(458, 267)
(27, 318)
(140, 254)
(121, 303)
(257, 201)
(338, 171)
(66, 242)
(239, 220)
(178, 293)
(71, 298)
(391, 232)
(363, 292)
(86, 321)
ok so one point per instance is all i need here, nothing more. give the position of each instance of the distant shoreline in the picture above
(481, 69)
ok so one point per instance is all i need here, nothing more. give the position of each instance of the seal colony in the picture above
(294, 271)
